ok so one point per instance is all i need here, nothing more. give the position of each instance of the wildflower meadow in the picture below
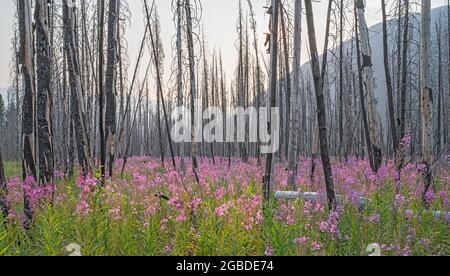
(153, 210)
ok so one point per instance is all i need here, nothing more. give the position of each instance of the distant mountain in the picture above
(376, 43)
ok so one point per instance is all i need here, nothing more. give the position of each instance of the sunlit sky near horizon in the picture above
(219, 19)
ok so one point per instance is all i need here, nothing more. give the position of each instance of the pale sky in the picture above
(218, 18)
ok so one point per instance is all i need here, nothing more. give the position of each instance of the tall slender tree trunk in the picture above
(26, 57)
(76, 98)
(293, 153)
(158, 62)
(101, 95)
(390, 94)
(43, 103)
(368, 81)
(3, 189)
(288, 78)
(180, 94)
(341, 78)
(426, 94)
(193, 85)
(110, 81)
(272, 90)
(404, 77)
(439, 92)
(320, 99)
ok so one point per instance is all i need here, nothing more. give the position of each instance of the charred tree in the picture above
(321, 112)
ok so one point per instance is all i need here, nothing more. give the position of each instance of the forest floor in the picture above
(224, 214)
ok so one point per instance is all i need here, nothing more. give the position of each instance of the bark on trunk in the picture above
(368, 81)
(273, 91)
(390, 94)
(44, 99)
(110, 81)
(426, 94)
(321, 114)
(293, 154)
(77, 107)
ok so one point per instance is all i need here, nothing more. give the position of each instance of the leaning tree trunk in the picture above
(295, 102)
(155, 42)
(390, 95)
(272, 91)
(368, 80)
(426, 94)
(321, 114)
(76, 93)
(43, 103)
(110, 81)
(3, 191)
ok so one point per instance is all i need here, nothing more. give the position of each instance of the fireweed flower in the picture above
(429, 196)
(409, 214)
(301, 241)
(316, 246)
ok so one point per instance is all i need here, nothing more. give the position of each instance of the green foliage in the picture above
(205, 233)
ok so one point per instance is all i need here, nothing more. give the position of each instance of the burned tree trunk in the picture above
(273, 92)
(321, 113)
(295, 103)
(180, 95)
(76, 94)
(3, 191)
(193, 85)
(101, 93)
(158, 61)
(26, 57)
(390, 95)
(110, 81)
(426, 94)
(404, 84)
(44, 102)
(367, 73)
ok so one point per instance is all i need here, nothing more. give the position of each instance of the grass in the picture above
(12, 169)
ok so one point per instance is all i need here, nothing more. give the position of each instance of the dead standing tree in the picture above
(76, 98)
(110, 81)
(426, 95)
(272, 90)
(101, 94)
(321, 113)
(193, 85)
(158, 61)
(43, 96)
(3, 190)
(26, 57)
(390, 94)
(293, 153)
(368, 80)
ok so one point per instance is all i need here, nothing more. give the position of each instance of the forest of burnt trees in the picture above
(72, 107)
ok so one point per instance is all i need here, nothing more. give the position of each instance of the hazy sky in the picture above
(219, 20)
